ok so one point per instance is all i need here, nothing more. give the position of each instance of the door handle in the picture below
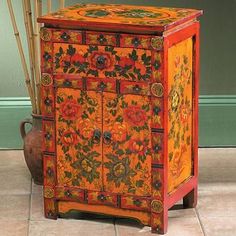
(107, 137)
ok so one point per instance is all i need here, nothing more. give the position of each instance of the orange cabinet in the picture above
(119, 103)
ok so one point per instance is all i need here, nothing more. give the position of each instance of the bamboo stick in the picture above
(29, 19)
(36, 55)
(22, 56)
(40, 10)
(30, 47)
(49, 6)
(37, 13)
(62, 4)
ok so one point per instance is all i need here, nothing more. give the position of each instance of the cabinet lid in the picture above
(119, 17)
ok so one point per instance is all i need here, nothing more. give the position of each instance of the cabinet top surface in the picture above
(111, 16)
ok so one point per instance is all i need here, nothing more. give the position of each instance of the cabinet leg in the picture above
(50, 208)
(159, 222)
(190, 200)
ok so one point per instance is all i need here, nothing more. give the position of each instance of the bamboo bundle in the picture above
(22, 56)
(32, 79)
(30, 46)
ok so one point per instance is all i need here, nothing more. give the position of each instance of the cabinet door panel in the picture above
(78, 138)
(127, 144)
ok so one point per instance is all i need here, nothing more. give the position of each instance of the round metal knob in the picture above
(101, 197)
(136, 88)
(101, 60)
(47, 101)
(157, 89)
(68, 193)
(49, 172)
(48, 136)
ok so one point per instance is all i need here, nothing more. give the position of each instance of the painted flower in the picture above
(119, 132)
(184, 113)
(101, 61)
(69, 137)
(135, 115)
(175, 99)
(141, 67)
(77, 58)
(186, 73)
(137, 146)
(119, 170)
(126, 61)
(177, 167)
(177, 61)
(70, 109)
(178, 162)
(87, 165)
(86, 129)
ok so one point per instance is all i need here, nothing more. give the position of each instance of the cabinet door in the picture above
(78, 138)
(127, 144)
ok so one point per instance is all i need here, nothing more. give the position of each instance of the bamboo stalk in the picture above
(30, 47)
(62, 4)
(37, 13)
(40, 10)
(29, 19)
(22, 56)
(49, 6)
(36, 54)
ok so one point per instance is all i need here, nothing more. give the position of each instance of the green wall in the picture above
(217, 83)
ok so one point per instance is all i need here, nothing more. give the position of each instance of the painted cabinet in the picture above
(120, 110)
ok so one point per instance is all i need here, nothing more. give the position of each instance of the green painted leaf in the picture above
(119, 118)
(71, 70)
(120, 152)
(68, 174)
(133, 55)
(68, 157)
(86, 148)
(75, 164)
(60, 99)
(91, 110)
(139, 183)
(71, 50)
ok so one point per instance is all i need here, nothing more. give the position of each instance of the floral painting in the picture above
(180, 107)
(102, 61)
(127, 153)
(79, 150)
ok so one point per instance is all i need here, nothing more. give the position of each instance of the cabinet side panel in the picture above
(180, 107)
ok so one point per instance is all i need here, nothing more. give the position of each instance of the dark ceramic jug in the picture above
(32, 147)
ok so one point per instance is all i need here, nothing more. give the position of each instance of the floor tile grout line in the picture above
(115, 228)
(30, 204)
(200, 221)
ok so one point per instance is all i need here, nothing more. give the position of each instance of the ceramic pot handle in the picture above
(22, 126)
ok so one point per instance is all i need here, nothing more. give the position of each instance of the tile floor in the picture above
(21, 205)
